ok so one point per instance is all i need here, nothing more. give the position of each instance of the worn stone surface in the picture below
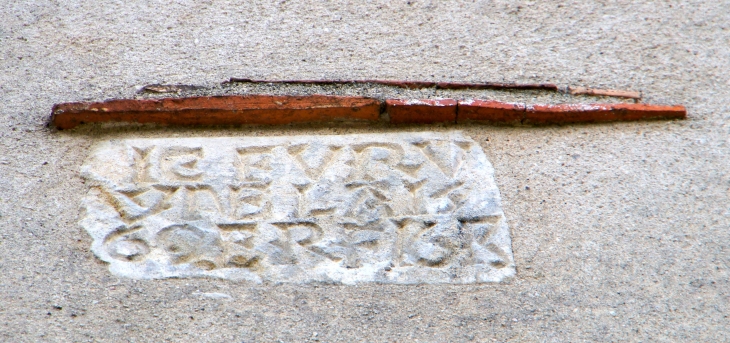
(389, 208)
(622, 235)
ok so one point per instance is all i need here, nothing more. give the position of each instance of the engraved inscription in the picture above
(402, 208)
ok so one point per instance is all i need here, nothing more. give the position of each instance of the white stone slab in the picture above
(388, 208)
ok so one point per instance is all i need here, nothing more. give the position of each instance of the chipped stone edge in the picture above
(91, 199)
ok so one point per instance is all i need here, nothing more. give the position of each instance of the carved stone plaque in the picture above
(387, 208)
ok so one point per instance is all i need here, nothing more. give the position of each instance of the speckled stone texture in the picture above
(405, 208)
(619, 231)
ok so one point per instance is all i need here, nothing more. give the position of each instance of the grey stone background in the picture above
(620, 231)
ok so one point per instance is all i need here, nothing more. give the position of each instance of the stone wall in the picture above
(619, 231)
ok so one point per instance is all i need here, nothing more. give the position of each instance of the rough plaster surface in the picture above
(619, 231)
(385, 208)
